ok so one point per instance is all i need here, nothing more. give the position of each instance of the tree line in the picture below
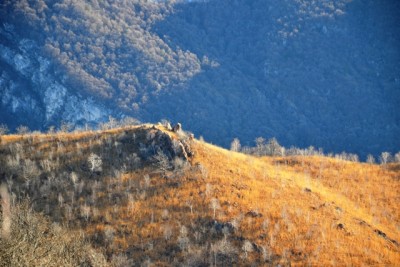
(271, 147)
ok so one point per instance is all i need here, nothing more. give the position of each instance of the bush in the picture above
(34, 241)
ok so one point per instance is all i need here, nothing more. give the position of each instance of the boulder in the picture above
(177, 128)
(191, 137)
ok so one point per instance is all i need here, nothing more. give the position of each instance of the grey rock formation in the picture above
(177, 128)
(159, 141)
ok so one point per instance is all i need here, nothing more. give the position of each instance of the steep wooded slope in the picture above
(321, 73)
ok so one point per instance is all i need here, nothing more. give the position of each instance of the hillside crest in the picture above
(140, 197)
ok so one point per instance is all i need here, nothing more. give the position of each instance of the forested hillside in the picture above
(322, 73)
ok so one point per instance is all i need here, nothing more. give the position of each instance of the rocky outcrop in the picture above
(177, 128)
(168, 126)
(151, 140)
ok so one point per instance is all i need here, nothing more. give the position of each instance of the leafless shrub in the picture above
(183, 240)
(74, 178)
(247, 247)
(33, 241)
(29, 170)
(266, 253)
(397, 157)
(6, 210)
(95, 162)
(146, 179)
(13, 162)
(129, 121)
(162, 163)
(85, 211)
(167, 229)
(51, 129)
(22, 130)
(223, 252)
(121, 260)
(165, 214)
(180, 166)
(16, 149)
(3, 129)
(209, 189)
(65, 127)
(133, 161)
(203, 171)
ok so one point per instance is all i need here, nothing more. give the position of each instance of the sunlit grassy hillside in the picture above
(142, 199)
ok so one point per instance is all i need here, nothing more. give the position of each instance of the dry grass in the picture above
(34, 241)
(293, 211)
(328, 211)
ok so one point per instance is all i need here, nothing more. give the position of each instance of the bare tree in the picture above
(6, 211)
(146, 179)
(3, 129)
(29, 170)
(183, 239)
(260, 143)
(235, 145)
(385, 158)
(189, 203)
(128, 121)
(113, 123)
(65, 127)
(131, 204)
(95, 162)
(214, 204)
(167, 229)
(74, 179)
(397, 157)
(353, 158)
(162, 163)
(51, 129)
(60, 199)
(180, 166)
(209, 189)
(85, 211)
(370, 159)
(274, 148)
(22, 130)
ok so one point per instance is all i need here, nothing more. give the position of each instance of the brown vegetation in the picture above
(34, 241)
(216, 208)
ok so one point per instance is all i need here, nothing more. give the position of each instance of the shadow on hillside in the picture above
(295, 89)
(394, 167)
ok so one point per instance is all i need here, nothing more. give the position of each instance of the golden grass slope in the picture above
(228, 208)
(320, 211)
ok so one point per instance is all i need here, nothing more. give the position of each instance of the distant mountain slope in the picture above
(322, 73)
(334, 84)
(142, 202)
(102, 51)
